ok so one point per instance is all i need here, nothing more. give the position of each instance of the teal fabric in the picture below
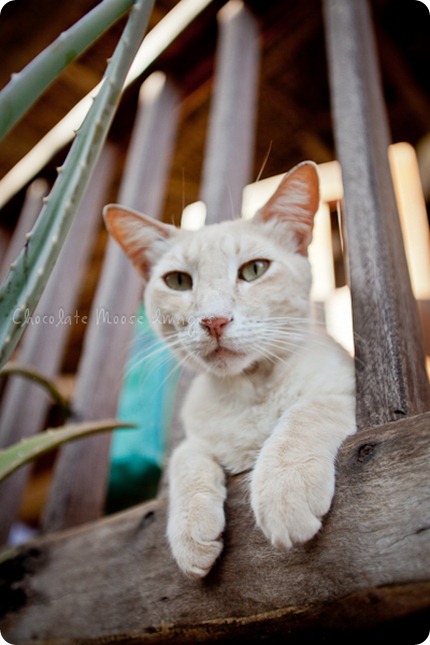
(137, 456)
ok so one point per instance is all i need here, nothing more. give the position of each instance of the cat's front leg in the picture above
(293, 480)
(196, 508)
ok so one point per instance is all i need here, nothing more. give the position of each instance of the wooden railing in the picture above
(391, 377)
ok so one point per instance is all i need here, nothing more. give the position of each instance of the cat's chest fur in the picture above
(232, 421)
(234, 416)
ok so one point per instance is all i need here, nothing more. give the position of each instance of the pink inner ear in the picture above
(138, 235)
(296, 201)
(123, 225)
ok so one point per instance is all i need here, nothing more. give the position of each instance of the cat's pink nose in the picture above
(215, 325)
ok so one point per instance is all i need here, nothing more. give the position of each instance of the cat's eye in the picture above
(252, 270)
(178, 281)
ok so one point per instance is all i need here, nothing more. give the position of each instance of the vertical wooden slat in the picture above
(25, 404)
(321, 257)
(415, 228)
(391, 380)
(79, 486)
(230, 138)
(229, 146)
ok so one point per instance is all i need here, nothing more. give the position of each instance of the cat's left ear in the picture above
(295, 202)
(143, 238)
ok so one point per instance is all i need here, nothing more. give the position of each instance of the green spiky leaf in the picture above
(13, 369)
(20, 453)
(26, 86)
(26, 281)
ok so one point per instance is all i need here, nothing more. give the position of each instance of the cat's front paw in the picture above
(289, 500)
(195, 534)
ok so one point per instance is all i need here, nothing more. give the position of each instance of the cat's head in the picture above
(230, 295)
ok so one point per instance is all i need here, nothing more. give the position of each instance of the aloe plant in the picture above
(29, 273)
(20, 453)
(50, 387)
(25, 87)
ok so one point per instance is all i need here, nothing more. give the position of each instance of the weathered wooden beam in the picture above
(391, 377)
(230, 140)
(115, 581)
(80, 479)
(25, 404)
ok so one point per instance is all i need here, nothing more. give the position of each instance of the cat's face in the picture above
(231, 295)
(222, 296)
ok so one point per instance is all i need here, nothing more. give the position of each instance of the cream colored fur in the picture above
(274, 395)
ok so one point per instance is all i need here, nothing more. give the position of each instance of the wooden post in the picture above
(25, 404)
(230, 141)
(79, 487)
(390, 367)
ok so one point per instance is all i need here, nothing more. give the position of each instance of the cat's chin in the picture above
(225, 362)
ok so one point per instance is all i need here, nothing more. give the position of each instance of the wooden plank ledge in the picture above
(367, 569)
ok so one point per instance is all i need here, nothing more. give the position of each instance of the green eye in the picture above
(252, 270)
(178, 281)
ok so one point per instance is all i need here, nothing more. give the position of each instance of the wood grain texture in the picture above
(115, 581)
(80, 479)
(390, 367)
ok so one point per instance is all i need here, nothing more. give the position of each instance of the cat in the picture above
(274, 395)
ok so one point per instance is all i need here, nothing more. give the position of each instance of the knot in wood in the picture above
(365, 452)
(146, 520)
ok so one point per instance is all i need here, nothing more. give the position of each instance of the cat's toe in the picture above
(288, 525)
(195, 535)
(208, 554)
(288, 506)
(303, 526)
(196, 559)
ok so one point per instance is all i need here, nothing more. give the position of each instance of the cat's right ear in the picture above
(143, 238)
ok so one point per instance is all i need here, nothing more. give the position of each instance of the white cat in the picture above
(274, 394)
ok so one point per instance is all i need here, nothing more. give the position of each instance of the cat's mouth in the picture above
(223, 353)
(223, 358)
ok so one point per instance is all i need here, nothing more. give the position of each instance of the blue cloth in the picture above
(137, 456)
